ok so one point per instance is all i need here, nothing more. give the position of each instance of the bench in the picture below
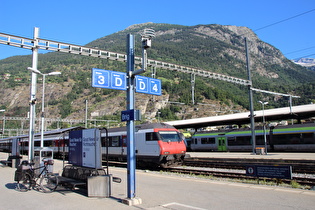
(9, 161)
(75, 176)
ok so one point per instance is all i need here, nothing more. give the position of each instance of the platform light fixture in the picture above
(146, 39)
(36, 71)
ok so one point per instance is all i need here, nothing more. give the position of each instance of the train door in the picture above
(222, 144)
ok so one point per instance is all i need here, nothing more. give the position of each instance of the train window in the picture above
(37, 143)
(242, 140)
(103, 141)
(151, 137)
(287, 139)
(260, 140)
(114, 141)
(231, 141)
(172, 136)
(48, 144)
(207, 140)
(309, 138)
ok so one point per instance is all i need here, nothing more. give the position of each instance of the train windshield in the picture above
(169, 136)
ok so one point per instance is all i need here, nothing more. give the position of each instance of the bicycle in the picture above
(27, 178)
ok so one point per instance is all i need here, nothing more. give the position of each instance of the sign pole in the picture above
(131, 82)
(131, 157)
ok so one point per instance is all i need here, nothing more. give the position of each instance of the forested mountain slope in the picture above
(214, 48)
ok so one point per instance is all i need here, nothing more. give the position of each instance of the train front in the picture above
(172, 147)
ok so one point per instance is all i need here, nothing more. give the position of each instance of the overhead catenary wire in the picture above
(303, 56)
(284, 20)
(299, 50)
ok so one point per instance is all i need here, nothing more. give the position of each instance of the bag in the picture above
(18, 175)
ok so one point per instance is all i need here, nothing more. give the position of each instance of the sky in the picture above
(286, 24)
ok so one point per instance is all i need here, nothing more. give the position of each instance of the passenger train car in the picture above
(159, 144)
(299, 137)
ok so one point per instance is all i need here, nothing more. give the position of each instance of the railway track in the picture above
(302, 170)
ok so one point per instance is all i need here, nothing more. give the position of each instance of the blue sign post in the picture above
(131, 156)
(131, 82)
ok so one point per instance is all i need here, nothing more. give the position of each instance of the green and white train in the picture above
(299, 138)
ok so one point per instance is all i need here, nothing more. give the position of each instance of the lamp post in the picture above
(264, 124)
(43, 101)
(3, 122)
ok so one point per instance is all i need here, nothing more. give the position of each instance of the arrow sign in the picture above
(109, 79)
(148, 85)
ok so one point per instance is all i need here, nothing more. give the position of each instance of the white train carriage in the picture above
(159, 143)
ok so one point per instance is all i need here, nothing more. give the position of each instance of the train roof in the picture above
(143, 126)
(62, 130)
(284, 113)
(51, 132)
(279, 127)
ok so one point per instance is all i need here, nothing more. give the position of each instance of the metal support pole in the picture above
(33, 96)
(153, 74)
(290, 104)
(131, 157)
(3, 122)
(264, 123)
(252, 116)
(265, 134)
(43, 114)
(86, 110)
(193, 88)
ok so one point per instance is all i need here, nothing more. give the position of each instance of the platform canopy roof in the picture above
(286, 113)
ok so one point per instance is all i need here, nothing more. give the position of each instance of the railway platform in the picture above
(157, 191)
(248, 155)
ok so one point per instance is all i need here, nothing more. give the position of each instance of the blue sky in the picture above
(80, 22)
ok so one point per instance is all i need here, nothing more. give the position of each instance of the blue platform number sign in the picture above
(155, 87)
(148, 85)
(142, 84)
(108, 79)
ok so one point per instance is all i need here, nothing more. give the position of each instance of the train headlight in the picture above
(166, 153)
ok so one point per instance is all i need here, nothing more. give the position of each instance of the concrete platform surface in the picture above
(157, 191)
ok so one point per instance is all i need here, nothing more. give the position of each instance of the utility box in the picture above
(260, 151)
(45, 154)
(99, 186)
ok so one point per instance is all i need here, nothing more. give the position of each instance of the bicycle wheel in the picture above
(48, 183)
(25, 183)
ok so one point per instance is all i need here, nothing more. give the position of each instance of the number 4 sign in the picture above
(148, 85)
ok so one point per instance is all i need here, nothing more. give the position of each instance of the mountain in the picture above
(214, 48)
(306, 62)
